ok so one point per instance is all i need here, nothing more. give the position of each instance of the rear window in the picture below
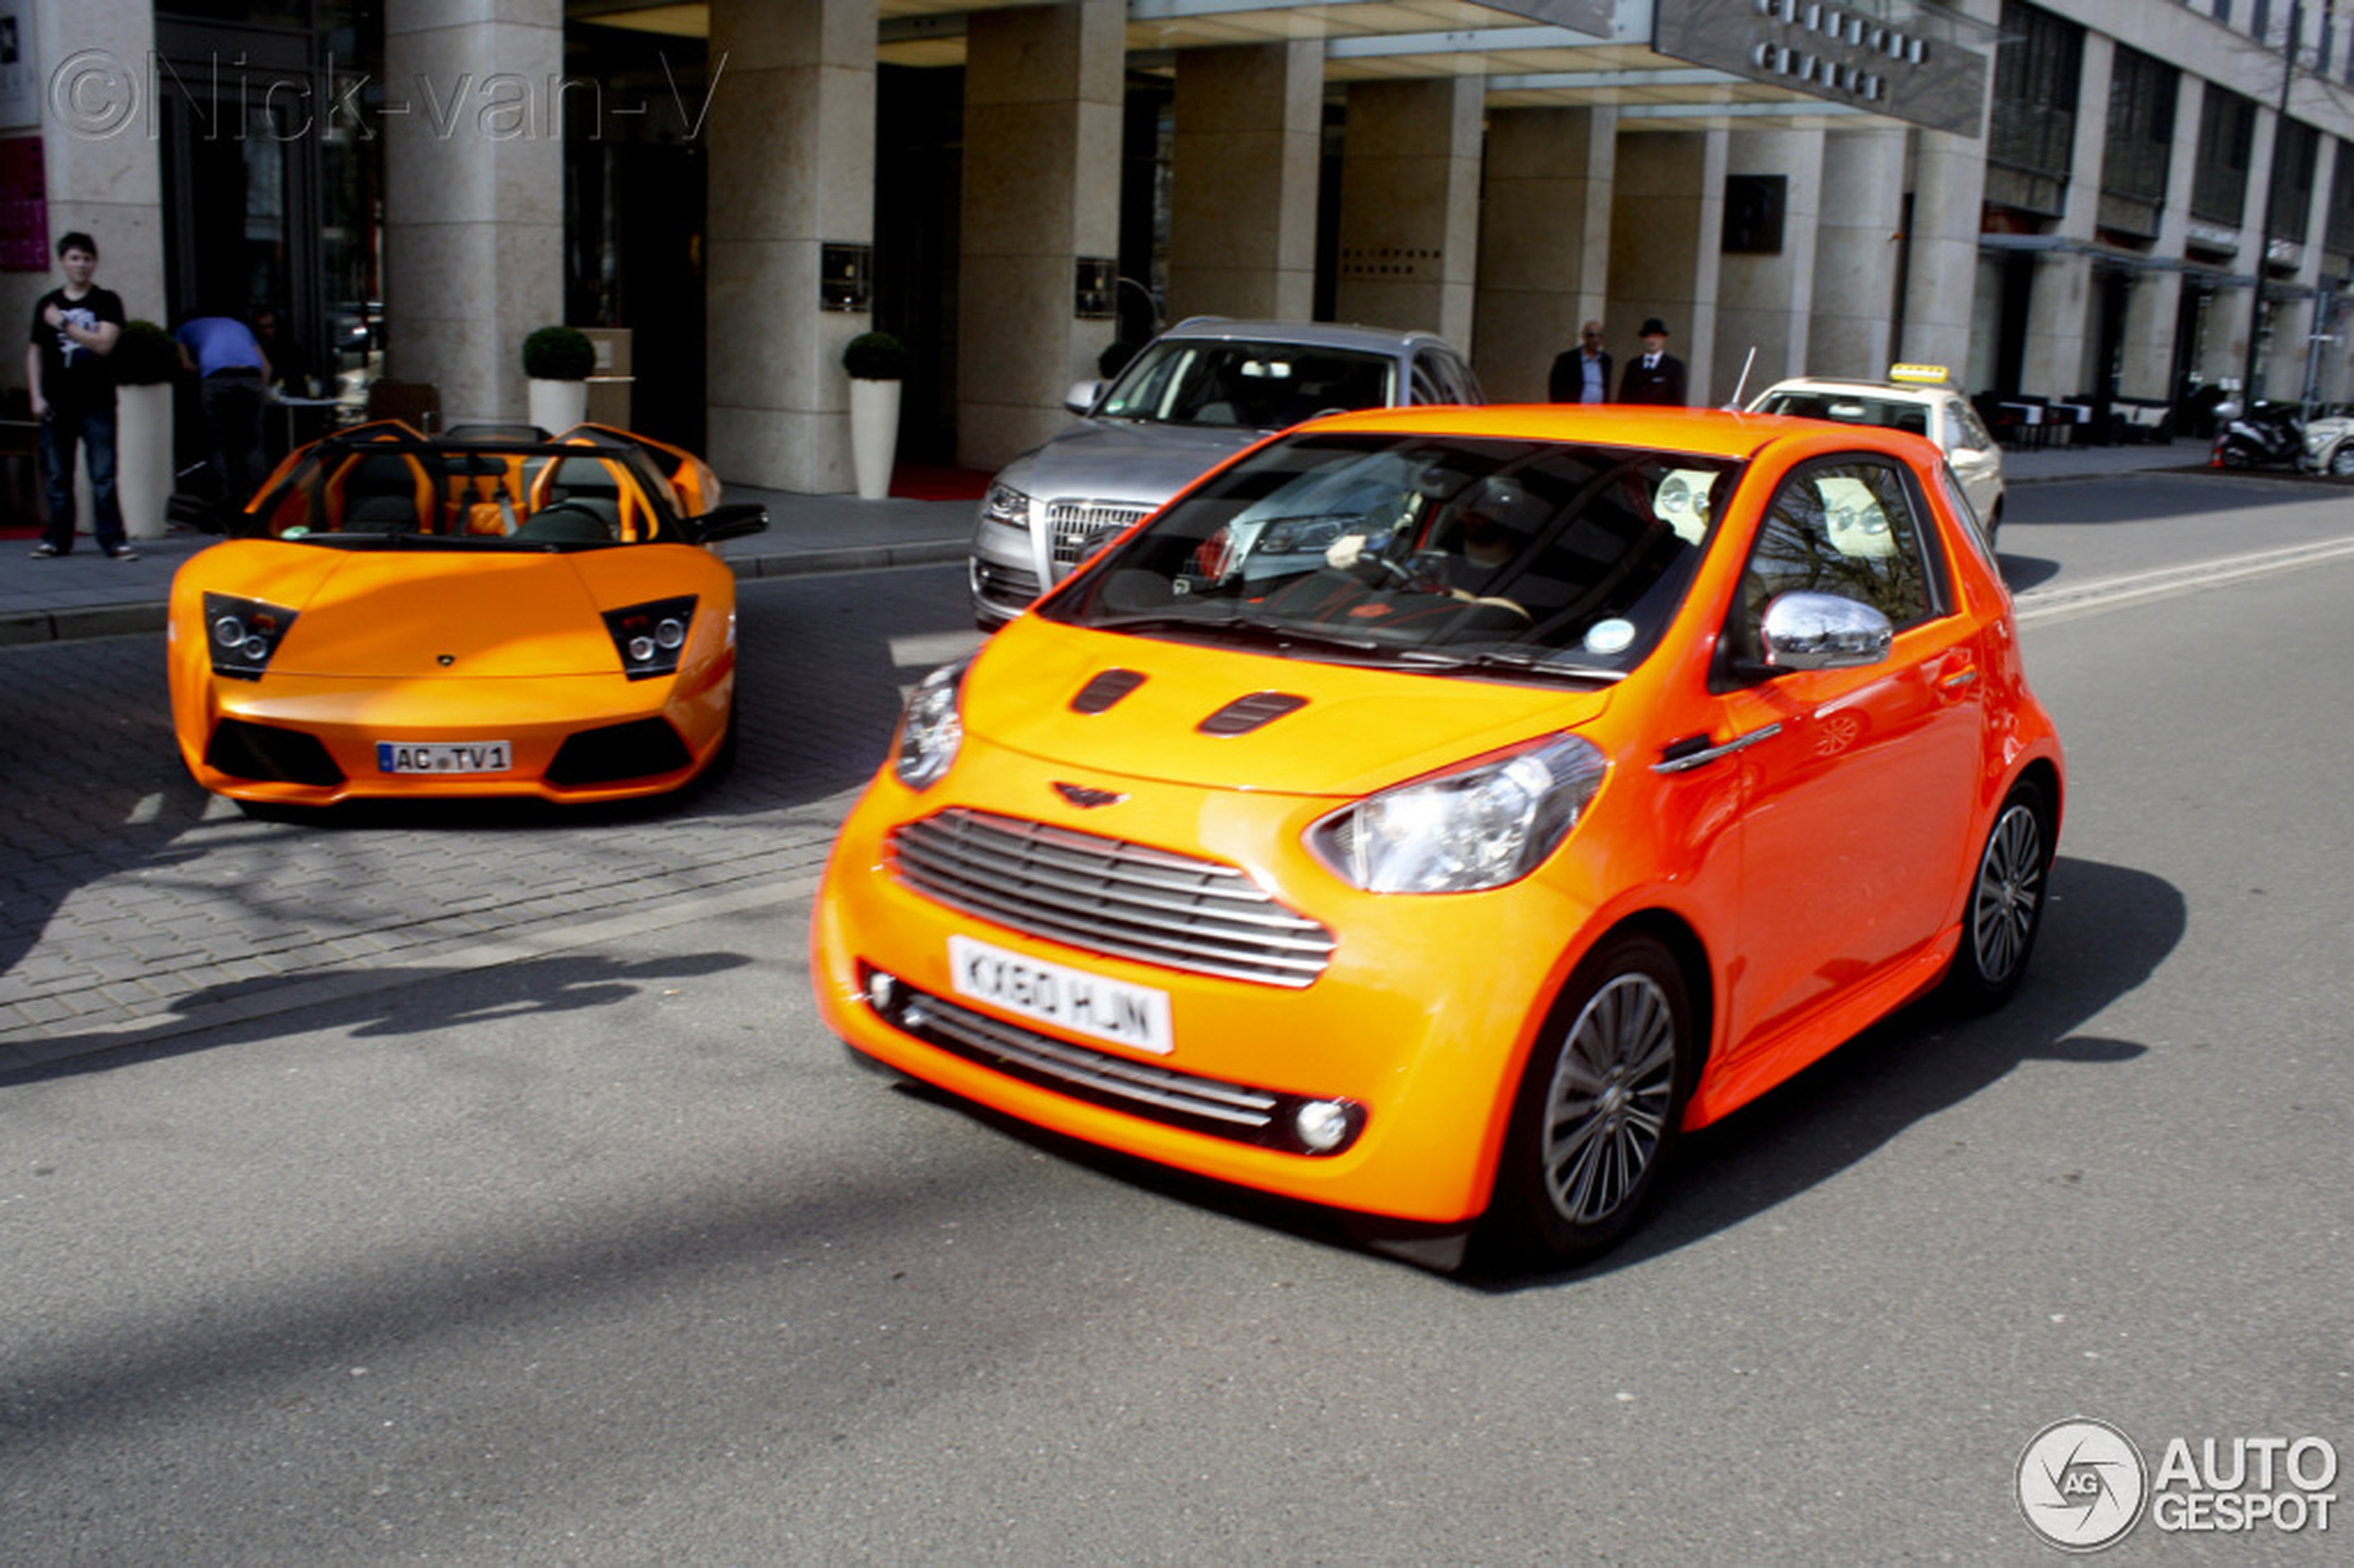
(1843, 409)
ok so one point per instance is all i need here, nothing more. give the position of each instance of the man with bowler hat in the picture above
(1655, 375)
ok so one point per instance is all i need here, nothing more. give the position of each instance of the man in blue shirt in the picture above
(224, 352)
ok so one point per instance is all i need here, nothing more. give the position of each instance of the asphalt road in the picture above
(602, 1254)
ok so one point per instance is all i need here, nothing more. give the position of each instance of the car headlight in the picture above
(651, 637)
(241, 633)
(1479, 825)
(932, 729)
(1006, 507)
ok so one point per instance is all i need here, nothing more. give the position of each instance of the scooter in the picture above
(2267, 436)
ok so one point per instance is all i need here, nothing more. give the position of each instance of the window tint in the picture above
(1427, 388)
(1843, 527)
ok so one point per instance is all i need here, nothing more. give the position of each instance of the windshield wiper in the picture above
(1273, 634)
(1530, 661)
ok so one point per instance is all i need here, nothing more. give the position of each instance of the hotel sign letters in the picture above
(1885, 56)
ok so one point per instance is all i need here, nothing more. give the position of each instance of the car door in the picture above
(1857, 795)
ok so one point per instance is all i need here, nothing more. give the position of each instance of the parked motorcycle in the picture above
(2267, 435)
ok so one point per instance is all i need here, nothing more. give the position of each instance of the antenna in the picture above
(1741, 385)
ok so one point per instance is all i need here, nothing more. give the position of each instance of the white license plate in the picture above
(444, 757)
(1073, 1000)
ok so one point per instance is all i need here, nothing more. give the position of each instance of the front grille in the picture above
(1076, 529)
(1107, 895)
(1236, 1111)
(1004, 587)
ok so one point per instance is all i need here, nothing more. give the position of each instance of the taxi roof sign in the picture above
(1934, 375)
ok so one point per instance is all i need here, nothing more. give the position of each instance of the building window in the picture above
(2142, 93)
(2031, 131)
(2338, 237)
(2295, 161)
(2226, 147)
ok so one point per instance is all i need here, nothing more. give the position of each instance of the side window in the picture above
(1969, 430)
(1845, 527)
(1435, 381)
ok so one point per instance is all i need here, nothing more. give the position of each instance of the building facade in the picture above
(2077, 199)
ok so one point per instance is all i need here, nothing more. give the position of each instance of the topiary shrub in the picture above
(875, 356)
(145, 355)
(558, 353)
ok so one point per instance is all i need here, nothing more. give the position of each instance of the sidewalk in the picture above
(86, 595)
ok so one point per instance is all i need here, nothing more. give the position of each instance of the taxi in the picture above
(1920, 398)
(1434, 813)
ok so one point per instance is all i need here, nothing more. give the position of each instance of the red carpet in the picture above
(912, 481)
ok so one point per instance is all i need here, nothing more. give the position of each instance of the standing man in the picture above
(74, 329)
(223, 352)
(1582, 374)
(1655, 375)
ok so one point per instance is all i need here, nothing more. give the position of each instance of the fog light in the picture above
(883, 992)
(1321, 1126)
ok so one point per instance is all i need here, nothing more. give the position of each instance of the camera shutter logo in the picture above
(2082, 1485)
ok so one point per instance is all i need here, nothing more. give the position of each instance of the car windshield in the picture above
(1534, 559)
(1848, 408)
(1245, 386)
(385, 487)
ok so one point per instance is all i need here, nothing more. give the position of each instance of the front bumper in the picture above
(1417, 1026)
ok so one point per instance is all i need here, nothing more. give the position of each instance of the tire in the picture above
(2008, 892)
(2237, 456)
(2342, 459)
(1598, 1108)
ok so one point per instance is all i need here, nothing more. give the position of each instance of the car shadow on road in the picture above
(366, 1004)
(2107, 928)
(2024, 572)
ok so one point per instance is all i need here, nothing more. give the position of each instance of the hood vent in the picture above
(1107, 688)
(1246, 714)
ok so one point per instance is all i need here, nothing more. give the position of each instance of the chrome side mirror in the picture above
(1824, 631)
(1081, 396)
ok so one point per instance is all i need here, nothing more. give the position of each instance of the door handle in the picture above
(1699, 751)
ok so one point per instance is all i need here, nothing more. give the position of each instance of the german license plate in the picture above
(1073, 1000)
(444, 757)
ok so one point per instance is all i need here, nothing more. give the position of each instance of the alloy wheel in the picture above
(2009, 893)
(1606, 1110)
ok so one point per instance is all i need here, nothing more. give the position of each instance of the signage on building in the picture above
(1882, 56)
(19, 72)
(24, 207)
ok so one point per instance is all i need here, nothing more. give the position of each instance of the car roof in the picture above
(1309, 335)
(1700, 432)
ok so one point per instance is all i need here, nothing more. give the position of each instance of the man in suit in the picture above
(1582, 374)
(1655, 375)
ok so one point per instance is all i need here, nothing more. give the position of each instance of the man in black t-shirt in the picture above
(74, 328)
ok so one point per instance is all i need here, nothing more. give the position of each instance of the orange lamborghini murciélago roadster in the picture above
(492, 611)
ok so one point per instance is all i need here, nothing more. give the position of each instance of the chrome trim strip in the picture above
(1702, 758)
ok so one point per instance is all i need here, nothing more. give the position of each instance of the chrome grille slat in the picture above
(1076, 528)
(1113, 1077)
(1108, 895)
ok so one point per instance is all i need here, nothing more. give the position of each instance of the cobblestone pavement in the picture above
(134, 906)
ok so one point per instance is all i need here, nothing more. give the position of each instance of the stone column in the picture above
(2237, 313)
(2060, 341)
(2156, 305)
(1249, 127)
(1856, 254)
(792, 170)
(2293, 348)
(1666, 233)
(1409, 205)
(1763, 299)
(1042, 90)
(98, 128)
(1544, 243)
(474, 197)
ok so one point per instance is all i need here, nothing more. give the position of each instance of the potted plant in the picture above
(877, 363)
(559, 360)
(144, 362)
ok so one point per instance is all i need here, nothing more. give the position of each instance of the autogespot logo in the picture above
(2081, 1485)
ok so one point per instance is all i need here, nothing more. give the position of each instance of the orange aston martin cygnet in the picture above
(492, 613)
(1432, 813)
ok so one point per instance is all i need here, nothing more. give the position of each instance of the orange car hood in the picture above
(386, 615)
(1358, 730)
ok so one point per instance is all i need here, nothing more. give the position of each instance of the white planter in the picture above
(557, 405)
(874, 435)
(142, 458)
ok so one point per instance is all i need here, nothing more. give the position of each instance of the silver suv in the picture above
(1197, 394)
